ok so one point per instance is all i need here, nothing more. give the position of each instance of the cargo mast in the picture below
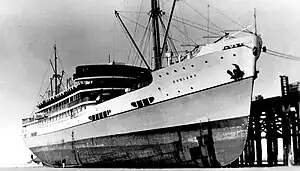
(155, 12)
(155, 16)
(55, 75)
(55, 70)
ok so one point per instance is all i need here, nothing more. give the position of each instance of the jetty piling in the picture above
(274, 126)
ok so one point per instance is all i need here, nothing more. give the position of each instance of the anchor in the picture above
(236, 74)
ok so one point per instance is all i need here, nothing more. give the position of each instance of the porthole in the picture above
(173, 81)
(178, 91)
(159, 75)
(159, 88)
(180, 79)
(194, 75)
(192, 88)
(191, 76)
(187, 77)
(221, 57)
(234, 54)
(167, 94)
(175, 70)
(183, 68)
(167, 73)
(192, 65)
(206, 62)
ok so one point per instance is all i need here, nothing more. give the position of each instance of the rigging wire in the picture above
(59, 60)
(46, 89)
(143, 45)
(41, 86)
(148, 28)
(150, 51)
(184, 26)
(135, 12)
(142, 40)
(220, 29)
(146, 44)
(114, 39)
(63, 70)
(196, 27)
(226, 16)
(208, 24)
(181, 37)
(135, 30)
(282, 55)
(125, 32)
(279, 54)
(183, 33)
(204, 28)
(169, 35)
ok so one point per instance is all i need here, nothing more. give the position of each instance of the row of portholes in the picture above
(191, 66)
(100, 115)
(184, 78)
(180, 91)
(143, 102)
(167, 73)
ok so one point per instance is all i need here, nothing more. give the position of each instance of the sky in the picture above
(86, 32)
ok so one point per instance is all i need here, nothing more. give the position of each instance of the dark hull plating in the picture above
(210, 144)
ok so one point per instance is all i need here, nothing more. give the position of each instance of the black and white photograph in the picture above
(149, 85)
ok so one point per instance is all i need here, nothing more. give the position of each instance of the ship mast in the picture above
(55, 70)
(55, 75)
(155, 16)
(155, 12)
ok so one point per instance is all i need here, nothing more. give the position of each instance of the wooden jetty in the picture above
(272, 120)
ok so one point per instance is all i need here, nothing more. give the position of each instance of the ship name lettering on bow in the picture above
(233, 46)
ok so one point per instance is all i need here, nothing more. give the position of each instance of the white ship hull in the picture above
(194, 99)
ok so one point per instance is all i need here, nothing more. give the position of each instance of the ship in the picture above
(192, 112)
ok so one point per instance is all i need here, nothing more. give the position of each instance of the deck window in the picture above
(134, 104)
(104, 114)
(146, 102)
(139, 103)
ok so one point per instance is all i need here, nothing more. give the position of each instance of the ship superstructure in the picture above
(192, 113)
